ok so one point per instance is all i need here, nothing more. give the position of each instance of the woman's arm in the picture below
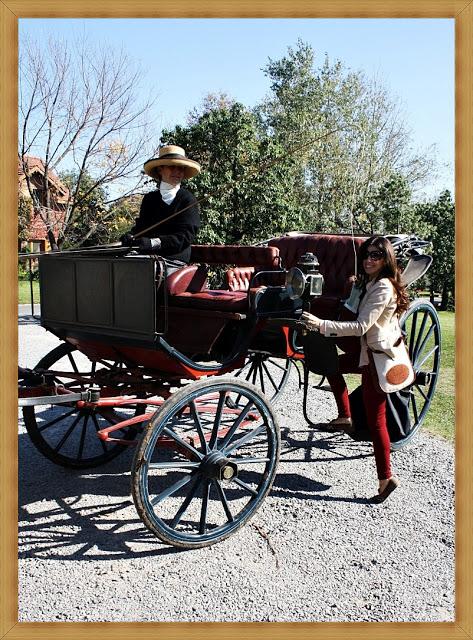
(376, 299)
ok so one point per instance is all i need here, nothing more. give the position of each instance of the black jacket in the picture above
(177, 234)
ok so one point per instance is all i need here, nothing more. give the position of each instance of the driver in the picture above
(172, 238)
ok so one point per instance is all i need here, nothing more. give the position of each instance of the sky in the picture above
(185, 59)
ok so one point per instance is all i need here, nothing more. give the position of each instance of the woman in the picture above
(169, 216)
(383, 299)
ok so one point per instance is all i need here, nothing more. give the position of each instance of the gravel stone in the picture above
(315, 551)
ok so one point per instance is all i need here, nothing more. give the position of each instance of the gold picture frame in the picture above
(459, 10)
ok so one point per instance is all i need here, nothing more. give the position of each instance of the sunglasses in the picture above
(373, 255)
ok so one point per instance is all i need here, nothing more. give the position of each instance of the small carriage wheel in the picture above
(202, 469)
(421, 325)
(68, 435)
(268, 373)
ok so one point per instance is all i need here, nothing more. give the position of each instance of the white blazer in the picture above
(377, 322)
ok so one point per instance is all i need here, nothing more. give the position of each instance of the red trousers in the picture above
(374, 401)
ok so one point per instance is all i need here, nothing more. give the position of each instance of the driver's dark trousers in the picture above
(374, 401)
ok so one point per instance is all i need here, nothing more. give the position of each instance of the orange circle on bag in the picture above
(397, 374)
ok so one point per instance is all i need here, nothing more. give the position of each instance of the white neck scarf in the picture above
(168, 191)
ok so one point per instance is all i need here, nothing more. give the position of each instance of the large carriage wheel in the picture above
(422, 326)
(67, 435)
(203, 468)
(268, 373)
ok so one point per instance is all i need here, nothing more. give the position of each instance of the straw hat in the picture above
(169, 155)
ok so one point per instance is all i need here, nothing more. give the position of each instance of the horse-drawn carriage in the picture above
(188, 374)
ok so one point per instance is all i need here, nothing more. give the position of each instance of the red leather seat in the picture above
(187, 287)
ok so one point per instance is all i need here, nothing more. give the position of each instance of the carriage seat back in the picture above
(237, 255)
(335, 253)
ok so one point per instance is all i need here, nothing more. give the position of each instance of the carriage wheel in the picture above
(267, 373)
(67, 435)
(422, 326)
(203, 468)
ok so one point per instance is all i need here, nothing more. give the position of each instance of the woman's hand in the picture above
(311, 322)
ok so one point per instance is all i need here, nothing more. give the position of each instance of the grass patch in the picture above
(440, 418)
(24, 294)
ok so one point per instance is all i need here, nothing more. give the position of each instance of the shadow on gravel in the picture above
(338, 447)
(67, 514)
(26, 320)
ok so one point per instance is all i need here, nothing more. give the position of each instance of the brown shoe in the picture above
(340, 424)
(388, 489)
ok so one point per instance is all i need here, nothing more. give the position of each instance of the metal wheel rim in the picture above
(424, 344)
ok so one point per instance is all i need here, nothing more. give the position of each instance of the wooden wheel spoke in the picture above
(172, 489)
(261, 378)
(413, 335)
(414, 408)
(420, 334)
(245, 486)
(424, 341)
(418, 365)
(188, 499)
(97, 428)
(218, 418)
(249, 436)
(62, 441)
(82, 438)
(223, 500)
(229, 435)
(63, 416)
(276, 388)
(183, 464)
(421, 391)
(205, 504)
(172, 434)
(198, 426)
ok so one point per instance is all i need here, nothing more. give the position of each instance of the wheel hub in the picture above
(216, 466)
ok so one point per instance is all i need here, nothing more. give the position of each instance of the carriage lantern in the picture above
(305, 280)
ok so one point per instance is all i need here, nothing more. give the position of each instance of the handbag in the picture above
(393, 372)
(398, 419)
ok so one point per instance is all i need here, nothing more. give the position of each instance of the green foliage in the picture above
(440, 216)
(352, 142)
(246, 195)
(121, 216)
(24, 216)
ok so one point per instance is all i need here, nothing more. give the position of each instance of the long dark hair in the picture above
(390, 269)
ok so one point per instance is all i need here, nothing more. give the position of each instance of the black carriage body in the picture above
(102, 296)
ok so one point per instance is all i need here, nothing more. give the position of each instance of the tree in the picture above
(247, 182)
(79, 112)
(440, 215)
(89, 224)
(351, 135)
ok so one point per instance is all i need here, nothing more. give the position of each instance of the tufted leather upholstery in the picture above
(335, 254)
(238, 278)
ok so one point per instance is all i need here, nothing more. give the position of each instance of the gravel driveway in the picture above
(315, 551)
